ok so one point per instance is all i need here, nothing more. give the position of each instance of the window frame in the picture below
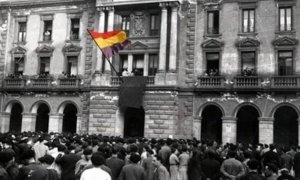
(285, 18)
(152, 70)
(40, 63)
(213, 22)
(255, 61)
(154, 31)
(71, 29)
(206, 61)
(293, 61)
(127, 23)
(249, 20)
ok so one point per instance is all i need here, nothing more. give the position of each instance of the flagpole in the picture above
(111, 65)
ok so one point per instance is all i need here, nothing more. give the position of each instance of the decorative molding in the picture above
(137, 46)
(18, 50)
(212, 43)
(285, 41)
(71, 49)
(138, 19)
(247, 42)
(45, 50)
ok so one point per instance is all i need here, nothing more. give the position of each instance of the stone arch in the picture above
(238, 107)
(36, 105)
(272, 113)
(63, 105)
(10, 104)
(203, 106)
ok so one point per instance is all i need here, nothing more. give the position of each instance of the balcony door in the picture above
(212, 63)
(134, 122)
(285, 63)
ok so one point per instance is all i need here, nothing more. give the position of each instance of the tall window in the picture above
(126, 24)
(212, 64)
(75, 24)
(248, 63)
(154, 24)
(124, 63)
(71, 67)
(47, 30)
(285, 19)
(285, 63)
(44, 66)
(248, 20)
(153, 64)
(138, 64)
(19, 65)
(22, 32)
(213, 22)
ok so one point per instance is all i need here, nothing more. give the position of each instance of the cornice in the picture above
(30, 3)
(133, 2)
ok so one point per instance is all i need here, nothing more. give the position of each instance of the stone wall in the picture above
(3, 35)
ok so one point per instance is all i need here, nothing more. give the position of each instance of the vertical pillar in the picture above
(173, 38)
(229, 130)
(197, 127)
(130, 63)
(28, 122)
(163, 38)
(5, 121)
(110, 27)
(146, 64)
(266, 130)
(298, 131)
(55, 123)
(101, 27)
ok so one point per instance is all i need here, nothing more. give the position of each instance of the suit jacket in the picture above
(115, 164)
(132, 172)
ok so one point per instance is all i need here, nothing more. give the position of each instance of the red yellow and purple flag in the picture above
(110, 42)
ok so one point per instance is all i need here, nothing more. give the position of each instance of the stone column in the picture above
(298, 130)
(266, 130)
(130, 63)
(173, 38)
(110, 27)
(229, 130)
(28, 122)
(55, 123)
(101, 27)
(5, 121)
(146, 64)
(160, 76)
(197, 127)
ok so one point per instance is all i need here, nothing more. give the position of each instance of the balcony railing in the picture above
(40, 83)
(286, 82)
(69, 82)
(211, 82)
(247, 82)
(14, 83)
(116, 80)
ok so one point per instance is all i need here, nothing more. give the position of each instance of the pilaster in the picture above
(197, 127)
(266, 130)
(229, 125)
(110, 27)
(55, 123)
(146, 64)
(101, 27)
(28, 122)
(5, 121)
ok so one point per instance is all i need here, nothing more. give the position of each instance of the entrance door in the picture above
(211, 124)
(286, 126)
(70, 119)
(247, 125)
(42, 118)
(134, 121)
(16, 118)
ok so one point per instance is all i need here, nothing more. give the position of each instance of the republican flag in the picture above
(110, 42)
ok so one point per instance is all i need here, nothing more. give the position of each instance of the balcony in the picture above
(210, 82)
(285, 82)
(69, 82)
(247, 82)
(14, 83)
(116, 80)
(40, 83)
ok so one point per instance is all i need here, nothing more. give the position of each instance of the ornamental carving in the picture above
(138, 19)
(247, 42)
(137, 46)
(45, 49)
(285, 41)
(212, 43)
(71, 48)
(18, 50)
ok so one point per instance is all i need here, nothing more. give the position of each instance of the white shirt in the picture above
(95, 174)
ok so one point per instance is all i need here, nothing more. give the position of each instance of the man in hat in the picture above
(133, 171)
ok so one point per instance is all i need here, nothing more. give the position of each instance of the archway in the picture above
(42, 118)
(134, 121)
(15, 122)
(211, 124)
(286, 126)
(70, 119)
(247, 125)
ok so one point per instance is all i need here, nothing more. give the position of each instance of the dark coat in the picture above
(115, 164)
(211, 168)
(132, 172)
(68, 163)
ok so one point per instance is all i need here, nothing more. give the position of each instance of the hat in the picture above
(88, 151)
(135, 158)
(48, 159)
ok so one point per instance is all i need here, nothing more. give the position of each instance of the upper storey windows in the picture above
(22, 31)
(285, 18)
(213, 22)
(248, 20)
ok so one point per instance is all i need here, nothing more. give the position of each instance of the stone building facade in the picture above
(224, 70)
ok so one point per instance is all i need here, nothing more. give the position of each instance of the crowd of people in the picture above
(54, 156)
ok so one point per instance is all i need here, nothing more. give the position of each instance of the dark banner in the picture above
(132, 91)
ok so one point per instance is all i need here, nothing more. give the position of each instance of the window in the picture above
(212, 64)
(47, 30)
(126, 24)
(44, 66)
(124, 62)
(154, 25)
(285, 63)
(213, 22)
(75, 24)
(153, 64)
(22, 32)
(285, 19)
(138, 65)
(71, 67)
(19, 65)
(248, 20)
(248, 63)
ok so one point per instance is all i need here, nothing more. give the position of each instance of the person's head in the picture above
(231, 153)
(5, 157)
(46, 160)
(28, 155)
(270, 169)
(87, 153)
(157, 160)
(97, 159)
(253, 164)
(135, 158)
